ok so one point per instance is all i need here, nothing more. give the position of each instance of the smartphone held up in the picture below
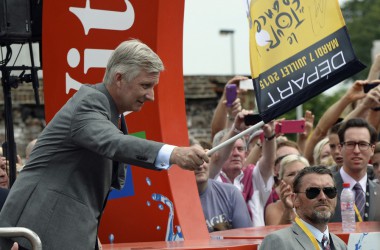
(290, 127)
(368, 88)
(231, 94)
(252, 119)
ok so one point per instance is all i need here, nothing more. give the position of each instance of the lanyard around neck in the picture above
(360, 219)
(307, 232)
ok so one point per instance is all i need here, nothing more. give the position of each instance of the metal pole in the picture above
(232, 53)
(33, 238)
(299, 111)
(10, 145)
(231, 34)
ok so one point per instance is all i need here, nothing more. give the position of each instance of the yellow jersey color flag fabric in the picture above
(298, 49)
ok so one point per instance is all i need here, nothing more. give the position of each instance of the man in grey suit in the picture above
(314, 199)
(357, 145)
(61, 192)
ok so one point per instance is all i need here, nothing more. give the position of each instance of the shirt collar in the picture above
(348, 179)
(317, 234)
(237, 181)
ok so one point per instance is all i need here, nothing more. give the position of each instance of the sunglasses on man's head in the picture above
(313, 192)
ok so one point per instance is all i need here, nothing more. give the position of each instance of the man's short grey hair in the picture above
(220, 135)
(129, 58)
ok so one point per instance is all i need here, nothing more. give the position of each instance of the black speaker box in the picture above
(36, 19)
(15, 21)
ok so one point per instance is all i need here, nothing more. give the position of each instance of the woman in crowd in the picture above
(322, 153)
(281, 212)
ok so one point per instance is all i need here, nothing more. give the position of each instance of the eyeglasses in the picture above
(352, 144)
(313, 192)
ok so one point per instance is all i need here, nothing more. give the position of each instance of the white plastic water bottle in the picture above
(347, 202)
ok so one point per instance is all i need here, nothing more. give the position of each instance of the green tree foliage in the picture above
(362, 20)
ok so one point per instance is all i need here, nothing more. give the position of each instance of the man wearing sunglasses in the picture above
(314, 199)
(357, 143)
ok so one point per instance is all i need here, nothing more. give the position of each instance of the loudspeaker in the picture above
(15, 21)
(36, 19)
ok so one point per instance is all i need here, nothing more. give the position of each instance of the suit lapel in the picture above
(114, 113)
(123, 126)
(373, 199)
(301, 237)
(118, 169)
(339, 185)
(334, 240)
(338, 179)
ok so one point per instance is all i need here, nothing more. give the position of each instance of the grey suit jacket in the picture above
(293, 238)
(3, 196)
(61, 192)
(374, 200)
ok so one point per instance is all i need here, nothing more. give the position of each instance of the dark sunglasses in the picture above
(313, 192)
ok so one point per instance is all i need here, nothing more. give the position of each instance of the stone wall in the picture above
(202, 94)
(28, 118)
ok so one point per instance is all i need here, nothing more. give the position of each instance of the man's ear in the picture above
(372, 150)
(118, 78)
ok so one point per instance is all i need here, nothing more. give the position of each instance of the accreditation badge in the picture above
(298, 49)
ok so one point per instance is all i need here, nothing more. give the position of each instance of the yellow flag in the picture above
(298, 49)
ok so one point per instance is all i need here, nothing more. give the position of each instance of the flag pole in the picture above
(234, 138)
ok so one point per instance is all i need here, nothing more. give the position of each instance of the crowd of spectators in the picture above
(251, 182)
(262, 165)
